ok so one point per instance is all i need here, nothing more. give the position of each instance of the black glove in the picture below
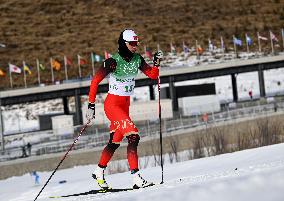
(158, 56)
(91, 111)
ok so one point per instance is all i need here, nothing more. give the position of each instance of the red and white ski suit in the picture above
(117, 110)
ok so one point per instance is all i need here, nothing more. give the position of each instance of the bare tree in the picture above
(174, 143)
(155, 154)
(198, 151)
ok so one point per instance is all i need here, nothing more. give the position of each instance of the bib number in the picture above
(128, 88)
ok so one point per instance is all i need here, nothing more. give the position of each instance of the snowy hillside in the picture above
(255, 174)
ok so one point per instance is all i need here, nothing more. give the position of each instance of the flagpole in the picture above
(2, 129)
(282, 33)
(93, 65)
(247, 43)
(158, 47)
(11, 81)
(196, 48)
(38, 73)
(222, 45)
(52, 74)
(25, 77)
(235, 47)
(272, 47)
(184, 48)
(259, 45)
(79, 66)
(65, 67)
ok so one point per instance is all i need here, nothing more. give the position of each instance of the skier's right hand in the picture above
(90, 112)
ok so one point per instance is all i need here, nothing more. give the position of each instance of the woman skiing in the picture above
(123, 68)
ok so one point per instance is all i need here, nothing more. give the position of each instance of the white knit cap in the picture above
(129, 35)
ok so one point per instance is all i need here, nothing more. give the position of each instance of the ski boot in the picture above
(140, 182)
(99, 176)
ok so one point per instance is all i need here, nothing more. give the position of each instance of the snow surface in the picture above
(255, 174)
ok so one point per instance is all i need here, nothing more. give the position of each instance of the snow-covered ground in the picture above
(255, 174)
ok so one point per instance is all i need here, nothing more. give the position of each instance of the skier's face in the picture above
(132, 46)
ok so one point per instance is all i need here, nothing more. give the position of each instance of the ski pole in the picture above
(160, 119)
(75, 141)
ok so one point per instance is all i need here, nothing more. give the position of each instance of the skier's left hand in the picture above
(90, 112)
(158, 57)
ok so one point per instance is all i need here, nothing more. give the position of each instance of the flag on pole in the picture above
(248, 40)
(173, 49)
(55, 64)
(107, 55)
(262, 38)
(185, 48)
(41, 66)
(68, 61)
(81, 60)
(199, 49)
(25, 77)
(38, 71)
(210, 45)
(27, 69)
(14, 69)
(237, 41)
(2, 73)
(51, 70)
(259, 38)
(97, 58)
(222, 43)
(273, 37)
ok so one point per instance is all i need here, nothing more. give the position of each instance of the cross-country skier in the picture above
(123, 68)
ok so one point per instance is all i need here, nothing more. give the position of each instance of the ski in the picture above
(100, 191)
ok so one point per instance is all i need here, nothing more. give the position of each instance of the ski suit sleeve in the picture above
(108, 66)
(150, 71)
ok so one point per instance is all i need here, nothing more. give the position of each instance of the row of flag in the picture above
(56, 65)
(236, 42)
(249, 42)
